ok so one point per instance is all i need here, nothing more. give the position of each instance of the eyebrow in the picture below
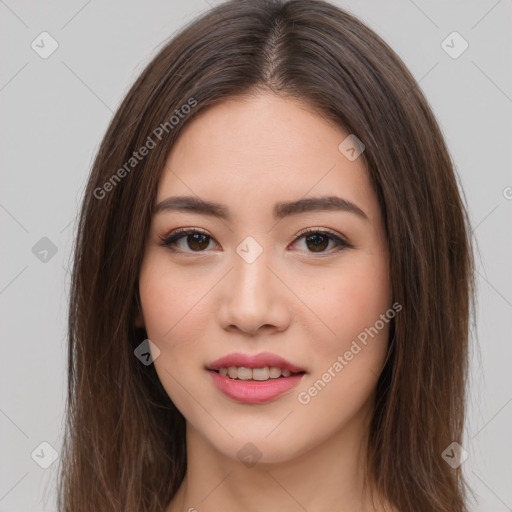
(281, 210)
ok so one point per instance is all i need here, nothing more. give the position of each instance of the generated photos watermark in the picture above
(143, 151)
(305, 397)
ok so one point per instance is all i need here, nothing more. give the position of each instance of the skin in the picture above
(305, 306)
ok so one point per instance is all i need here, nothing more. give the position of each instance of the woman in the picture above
(272, 280)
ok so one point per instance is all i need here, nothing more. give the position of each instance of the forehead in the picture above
(264, 128)
(262, 148)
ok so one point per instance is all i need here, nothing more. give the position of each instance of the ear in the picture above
(139, 320)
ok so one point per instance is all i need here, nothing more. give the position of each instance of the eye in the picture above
(195, 240)
(317, 240)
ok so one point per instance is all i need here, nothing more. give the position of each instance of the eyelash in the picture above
(170, 240)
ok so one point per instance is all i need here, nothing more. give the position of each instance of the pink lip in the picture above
(252, 391)
(255, 361)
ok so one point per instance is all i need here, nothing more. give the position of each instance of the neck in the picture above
(329, 476)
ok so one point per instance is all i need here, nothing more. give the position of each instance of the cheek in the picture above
(348, 362)
(175, 320)
(171, 301)
(352, 302)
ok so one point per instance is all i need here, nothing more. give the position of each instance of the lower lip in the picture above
(252, 391)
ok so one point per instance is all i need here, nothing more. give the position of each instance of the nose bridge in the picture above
(252, 296)
(251, 279)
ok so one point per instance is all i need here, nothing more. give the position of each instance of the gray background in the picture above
(55, 112)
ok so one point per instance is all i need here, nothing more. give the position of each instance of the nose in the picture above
(254, 298)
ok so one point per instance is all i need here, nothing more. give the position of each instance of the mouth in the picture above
(254, 379)
(258, 363)
(263, 374)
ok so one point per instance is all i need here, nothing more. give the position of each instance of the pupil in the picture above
(198, 241)
(317, 241)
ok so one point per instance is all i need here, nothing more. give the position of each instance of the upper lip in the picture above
(253, 361)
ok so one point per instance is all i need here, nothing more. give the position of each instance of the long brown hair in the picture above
(124, 443)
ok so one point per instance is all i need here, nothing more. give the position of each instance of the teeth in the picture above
(243, 373)
(275, 372)
(266, 373)
(259, 373)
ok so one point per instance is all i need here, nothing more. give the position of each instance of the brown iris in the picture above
(319, 242)
(199, 243)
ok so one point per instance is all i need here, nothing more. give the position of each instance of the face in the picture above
(254, 277)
